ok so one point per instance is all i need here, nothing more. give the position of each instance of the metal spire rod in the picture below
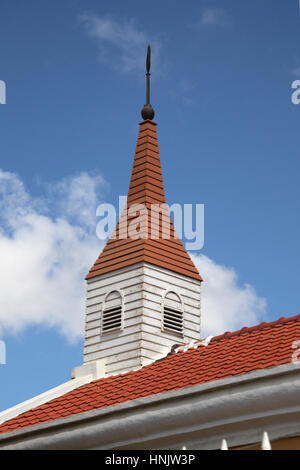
(147, 111)
(148, 65)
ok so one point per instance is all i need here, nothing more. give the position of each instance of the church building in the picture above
(149, 380)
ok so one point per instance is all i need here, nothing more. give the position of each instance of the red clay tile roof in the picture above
(263, 346)
(146, 187)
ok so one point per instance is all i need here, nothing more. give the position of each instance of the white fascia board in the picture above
(81, 375)
(237, 408)
(43, 398)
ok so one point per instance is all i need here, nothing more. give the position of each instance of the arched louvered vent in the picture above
(112, 313)
(173, 313)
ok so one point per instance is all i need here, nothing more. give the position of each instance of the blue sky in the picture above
(228, 135)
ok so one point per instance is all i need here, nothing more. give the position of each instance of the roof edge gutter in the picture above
(253, 396)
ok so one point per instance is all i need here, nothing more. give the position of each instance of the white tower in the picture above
(143, 292)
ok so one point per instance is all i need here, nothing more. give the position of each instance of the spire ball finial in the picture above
(148, 111)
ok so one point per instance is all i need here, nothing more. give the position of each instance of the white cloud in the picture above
(47, 246)
(226, 306)
(123, 43)
(76, 197)
(213, 17)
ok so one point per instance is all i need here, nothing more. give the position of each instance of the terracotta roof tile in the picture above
(146, 187)
(266, 345)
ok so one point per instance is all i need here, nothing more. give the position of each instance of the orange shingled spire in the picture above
(145, 233)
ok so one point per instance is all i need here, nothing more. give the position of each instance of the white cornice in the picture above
(239, 409)
(82, 375)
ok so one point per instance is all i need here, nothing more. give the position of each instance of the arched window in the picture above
(173, 313)
(112, 318)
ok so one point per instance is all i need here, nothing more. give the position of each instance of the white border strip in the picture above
(44, 397)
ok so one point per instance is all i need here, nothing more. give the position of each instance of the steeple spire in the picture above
(146, 188)
(148, 111)
(143, 291)
(156, 243)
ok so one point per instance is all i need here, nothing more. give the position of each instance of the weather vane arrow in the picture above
(148, 60)
(148, 111)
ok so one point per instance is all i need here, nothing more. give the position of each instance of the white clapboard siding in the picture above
(108, 353)
(93, 332)
(114, 339)
(94, 316)
(122, 277)
(160, 341)
(93, 324)
(161, 278)
(141, 339)
(124, 366)
(157, 315)
(120, 357)
(120, 347)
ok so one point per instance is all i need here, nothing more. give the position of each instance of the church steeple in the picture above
(143, 290)
(152, 244)
(142, 232)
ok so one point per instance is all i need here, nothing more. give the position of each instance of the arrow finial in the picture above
(148, 111)
(148, 60)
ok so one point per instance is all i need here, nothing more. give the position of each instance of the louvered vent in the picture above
(112, 313)
(112, 319)
(173, 320)
(173, 313)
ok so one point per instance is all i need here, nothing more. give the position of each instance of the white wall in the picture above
(141, 341)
